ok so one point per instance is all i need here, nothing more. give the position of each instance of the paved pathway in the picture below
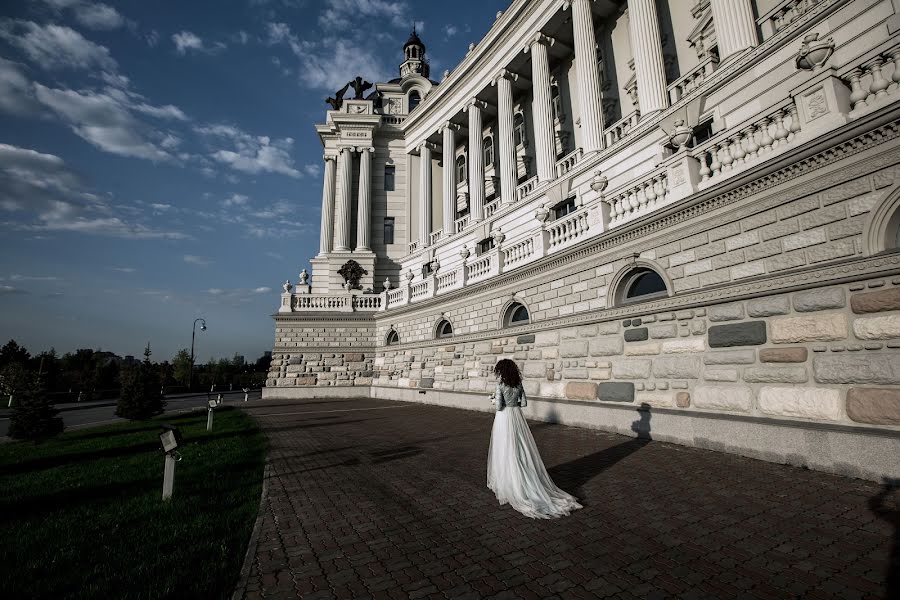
(379, 499)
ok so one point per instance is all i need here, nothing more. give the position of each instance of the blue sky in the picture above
(158, 160)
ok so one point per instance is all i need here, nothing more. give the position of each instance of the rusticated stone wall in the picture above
(322, 352)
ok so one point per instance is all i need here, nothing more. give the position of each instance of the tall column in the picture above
(646, 46)
(449, 157)
(327, 231)
(364, 208)
(476, 162)
(735, 26)
(424, 195)
(588, 77)
(542, 109)
(343, 216)
(507, 145)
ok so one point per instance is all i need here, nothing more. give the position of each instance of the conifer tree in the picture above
(33, 416)
(140, 398)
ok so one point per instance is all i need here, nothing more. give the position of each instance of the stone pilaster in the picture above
(449, 157)
(507, 145)
(476, 162)
(364, 202)
(735, 26)
(343, 217)
(326, 232)
(425, 195)
(588, 77)
(646, 47)
(542, 109)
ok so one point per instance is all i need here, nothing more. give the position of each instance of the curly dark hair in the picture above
(508, 372)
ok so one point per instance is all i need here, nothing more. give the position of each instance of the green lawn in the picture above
(81, 516)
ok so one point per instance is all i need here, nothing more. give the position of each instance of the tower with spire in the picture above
(414, 57)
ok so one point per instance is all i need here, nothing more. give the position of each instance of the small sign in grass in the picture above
(81, 515)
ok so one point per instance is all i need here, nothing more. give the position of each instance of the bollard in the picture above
(209, 419)
(169, 476)
(10, 401)
(246, 394)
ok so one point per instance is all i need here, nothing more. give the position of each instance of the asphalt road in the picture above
(75, 416)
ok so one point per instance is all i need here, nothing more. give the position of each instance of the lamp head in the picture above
(202, 326)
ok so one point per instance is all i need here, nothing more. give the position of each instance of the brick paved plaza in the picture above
(379, 499)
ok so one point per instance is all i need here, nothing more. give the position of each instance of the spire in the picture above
(414, 62)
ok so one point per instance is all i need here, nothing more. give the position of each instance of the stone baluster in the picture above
(704, 167)
(542, 109)
(765, 140)
(716, 165)
(752, 146)
(425, 195)
(725, 157)
(737, 151)
(646, 46)
(507, 145)
(894, 54)
(879, 84)
(857, 94)
(795, 121)
(326, 232)
(343, 217)
(364, 204)
(588, 75)
(449, 158)
(476, 161)
(780, 132)
(735, 26)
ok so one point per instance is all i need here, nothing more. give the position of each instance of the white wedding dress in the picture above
(515, 471)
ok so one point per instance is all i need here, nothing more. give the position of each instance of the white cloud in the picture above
(123, 269)
(275, 255)
(335, 61)
(252, 154)
(16, 96)
(56, 46)
(185, 40)
(236, 200)
(152, 38)
(8, 290)
(450, 31)
(93, 15)
(215, 291)
(340, 14)
(274, 211)
(18, 277)
(262, 290)
(192, 259)
(312, 170)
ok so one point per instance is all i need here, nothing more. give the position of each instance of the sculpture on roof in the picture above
(359, 86)
(338, 101)
(352, 272)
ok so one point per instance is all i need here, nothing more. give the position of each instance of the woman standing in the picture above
(515, 471)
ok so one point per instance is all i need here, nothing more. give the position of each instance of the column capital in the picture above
(475, 103)
(431, 146)
(504, 74)
(327, 157)
(449, 125)
(364, 149)
(539, 38)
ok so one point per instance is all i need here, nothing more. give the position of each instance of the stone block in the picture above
(883, 327)
(667, 330)
(642, 349)
(880, 301)
(783, 355)
(728, 398)
(632, 369)
(807, 403)
(574, 349)
(656, 399)
(779, 230)
(681, 258)
(748, 270)
(877, 406)
(726, 312)
(353, 357)
(525, 339)
(751, 333)
(535, 369)
(555, 389)
(695, 268)
(768, 306)
(791, 260)
(677, 367)
(832, 251)
(307, 380)
(742, 241)
(581, 390)
(364, 381)
(426, 382)
(720, 375)
(574, 373)
(543, 338)
(819, 299)
(730, 357)
(845, 229)
(636, 335)
(683, 400)
(484, 348)
(684, 346)
(610, 346)
(878, 369)
(587, 331)
(776, 375)
(818, 328)
(608, 328)
(616, 391)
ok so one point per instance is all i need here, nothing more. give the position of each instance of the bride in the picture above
(515, 471)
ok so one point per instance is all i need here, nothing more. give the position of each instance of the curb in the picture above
(240, 589)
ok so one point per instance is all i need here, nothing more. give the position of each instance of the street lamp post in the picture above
(194, 335)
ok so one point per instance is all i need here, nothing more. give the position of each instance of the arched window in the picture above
(414, 99)
(519, 129)
(488, 147)
(556, 102)
(639, 285)
(393, 338)
(516, 314)
(460, 169)
(444, 329)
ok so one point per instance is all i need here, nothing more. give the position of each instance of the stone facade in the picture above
(774, 329)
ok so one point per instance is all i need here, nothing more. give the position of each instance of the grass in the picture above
(81, 516)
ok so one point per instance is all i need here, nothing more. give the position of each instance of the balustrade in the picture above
(321, 302)
(395, 297)
(462, 223)
(738, 148)
(413, 246)
(692, 80)
(418, 291)
(568, 162)
(479, 268)
(876, 81)
(567, 229)
(783, 15)
(392, 119)
(367, 302)
(436, 236)
(526, 188)
(518, 253)
(491, 208)
(621, 128)
(639, 199)
(447, 280)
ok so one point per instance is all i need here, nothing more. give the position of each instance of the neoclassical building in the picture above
(686, 207)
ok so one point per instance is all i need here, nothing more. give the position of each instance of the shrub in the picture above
(140, 398)
(33, 416)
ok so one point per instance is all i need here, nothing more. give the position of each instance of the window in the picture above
(564, 208)
(389, 230)
(483, 246)
(393, 338)
(488, 147)
(641, 284)
(556, 103)
(460, 169)
(703, 132)
(414, 99)
(427, 269)
(444, 329)
(519, 129)
(389, 172)
(516, 314)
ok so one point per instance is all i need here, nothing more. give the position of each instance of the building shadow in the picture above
(574, 475)
(551, 417)
(889, 512)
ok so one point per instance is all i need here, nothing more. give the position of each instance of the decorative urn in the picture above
(409, 275)
(304, 276)
(599, 182)
(464, 253)
(814, 52)
(498, 236)
(681, 135)
(387, 283)
(541, 213)
(287, 286)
